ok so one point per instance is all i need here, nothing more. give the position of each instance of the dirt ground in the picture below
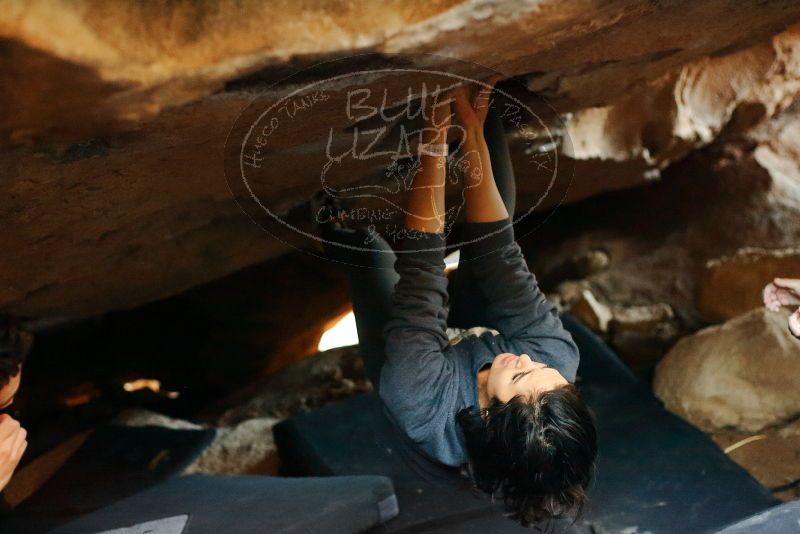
(772, 456)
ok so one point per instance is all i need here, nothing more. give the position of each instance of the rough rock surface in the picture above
(591, 312)
(327, 376)
(113, 192)
(731, 286)
(244, 421)
(245, 448)
(741, 374)
(165, 55)
(741, 191)
(691, 107)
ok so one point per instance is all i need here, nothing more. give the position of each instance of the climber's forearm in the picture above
(483, 202)
(425, 205)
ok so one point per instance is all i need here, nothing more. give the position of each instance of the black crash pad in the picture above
(114, 462)
(655, 472)
(209, 504)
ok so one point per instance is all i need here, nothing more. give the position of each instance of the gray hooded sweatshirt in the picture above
(425, 379)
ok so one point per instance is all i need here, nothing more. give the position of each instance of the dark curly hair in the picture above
(537, 455)
(15, 343)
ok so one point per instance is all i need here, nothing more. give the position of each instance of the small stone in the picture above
(591, 312)
(640, 318)
(592, 262)
(570, 292)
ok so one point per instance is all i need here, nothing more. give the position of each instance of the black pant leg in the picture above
(467, 302)
(370, 269)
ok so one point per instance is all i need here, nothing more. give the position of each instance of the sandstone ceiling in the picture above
(112, 168)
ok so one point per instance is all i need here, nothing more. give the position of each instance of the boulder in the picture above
(114, 192)
(741, 374)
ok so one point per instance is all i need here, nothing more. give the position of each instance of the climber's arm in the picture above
(416, 382)
(527, 321)
(425, 206)
(483, 202)
(517, 308)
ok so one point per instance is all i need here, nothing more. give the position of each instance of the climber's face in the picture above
(9, 391)
(511, 375)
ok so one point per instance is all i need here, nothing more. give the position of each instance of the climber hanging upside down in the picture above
(503, 404)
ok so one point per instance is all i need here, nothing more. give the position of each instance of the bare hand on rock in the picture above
(13, 442)
(781, 292)
(472, 103)
(794, 323)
